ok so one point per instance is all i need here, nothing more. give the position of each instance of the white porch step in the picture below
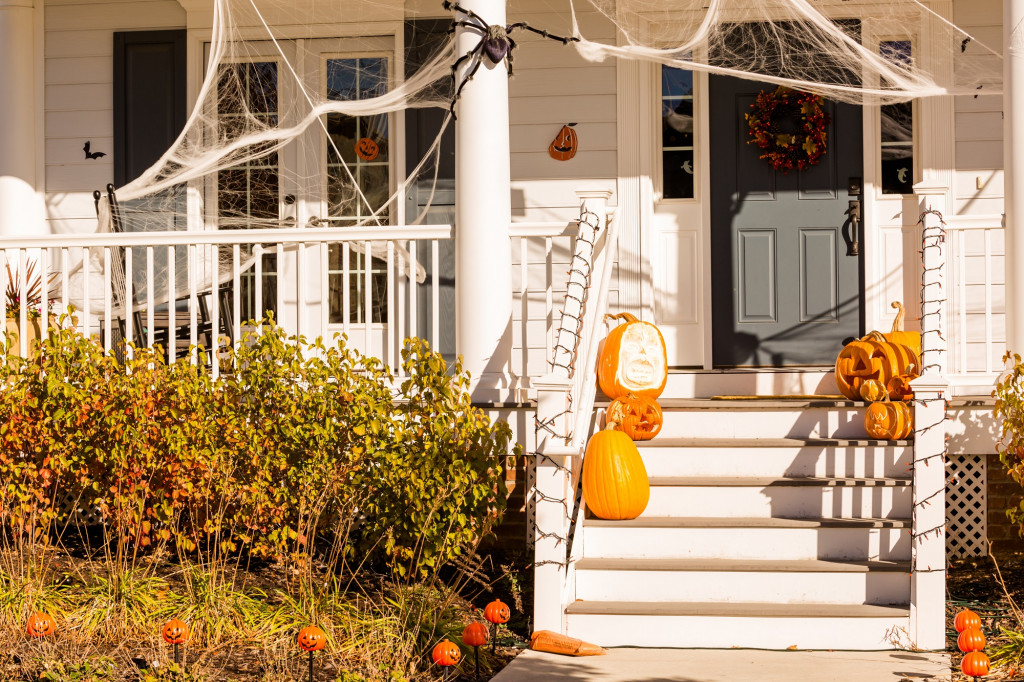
(735, 624)
(771, 418)
(748, 538)
(780, 457)
(792, 497)
(689, 383)
(721, 580)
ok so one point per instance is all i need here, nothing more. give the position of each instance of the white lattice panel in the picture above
(967, 506)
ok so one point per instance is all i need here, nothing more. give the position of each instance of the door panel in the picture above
(784, 289)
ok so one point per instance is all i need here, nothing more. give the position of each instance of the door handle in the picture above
(853, 220)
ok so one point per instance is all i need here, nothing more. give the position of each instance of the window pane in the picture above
(897, 130)
(677, 168)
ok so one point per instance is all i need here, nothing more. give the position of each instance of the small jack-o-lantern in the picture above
(632, 359)
(475, 634)
(175, 632)
(367, 149)
(563, 147)
(40, 624)
(446, 653)
(497, 612)
(312, 638)
(638, 417)
(889, 420)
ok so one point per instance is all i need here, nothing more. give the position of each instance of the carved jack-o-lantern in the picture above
(563, 147)
(633, 359)
(175, 632)
(311, 638)
(40, 624)
(497, 612)
(367, 149)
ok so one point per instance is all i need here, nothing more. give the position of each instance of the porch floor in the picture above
(721, 665)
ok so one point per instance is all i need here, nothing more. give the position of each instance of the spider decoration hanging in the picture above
(496, 44)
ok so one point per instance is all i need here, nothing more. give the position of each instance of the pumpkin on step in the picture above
(871, 358)
(873, 390)
(910, 339)
(638, 417)
(888, 420)
(632, 359)
(615, 483)
(900, 389)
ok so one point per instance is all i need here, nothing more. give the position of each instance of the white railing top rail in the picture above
(548, 228)
(981, 221)
(230, 237)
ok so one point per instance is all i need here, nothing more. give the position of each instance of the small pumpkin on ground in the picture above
(638, 417)
(615, 483)
(975, 664)
(474, 634)
(497, 612)
(889, 420)
(40, 624)
(871, 358)
(311, 638)
(175, 632)
(446, 653)
(632, 359)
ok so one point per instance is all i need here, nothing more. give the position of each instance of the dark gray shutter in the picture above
(149, 98)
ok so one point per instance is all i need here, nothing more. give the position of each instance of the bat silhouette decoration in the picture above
(90, 154)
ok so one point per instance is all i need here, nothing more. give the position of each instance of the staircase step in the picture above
(748, 538)
(759, 381)
(776, 457)
(780, 497)
(684, 580)
(736, 624)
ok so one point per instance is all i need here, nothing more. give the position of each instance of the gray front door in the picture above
(786, 286)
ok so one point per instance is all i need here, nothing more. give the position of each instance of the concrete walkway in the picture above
(732, 665)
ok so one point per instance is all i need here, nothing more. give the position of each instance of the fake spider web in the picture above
(294, 123)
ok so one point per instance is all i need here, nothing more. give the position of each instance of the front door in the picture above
(786, 280)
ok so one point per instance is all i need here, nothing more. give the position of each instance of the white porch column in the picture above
(1013, 151)
(21, 205)
(483, 213)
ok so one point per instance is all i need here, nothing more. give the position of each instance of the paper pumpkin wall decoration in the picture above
(563, 147)
(632, 359)
(367, 149)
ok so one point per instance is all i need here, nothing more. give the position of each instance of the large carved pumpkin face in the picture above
(871, 359)
(633, 360)
(563, 147)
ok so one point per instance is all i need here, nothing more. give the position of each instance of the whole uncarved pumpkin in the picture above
(971, 639)
(633, 359)
(475, 634)
(965, 620)
(615, 483)
(975, 664)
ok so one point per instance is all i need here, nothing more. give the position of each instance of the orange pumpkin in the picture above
(615, 483)
(965, 620)
(872, 357)
(446, 653)
(971, 639)
(311, 638)
(497, 612)
(888, 420)
(899, 388)
(40, 625)
(563, 147)
(638, 417)
(367, 149)
(175, 632)
(873, 390)
(632, 359)
(475, 634)
(975, 664)
(910, 339)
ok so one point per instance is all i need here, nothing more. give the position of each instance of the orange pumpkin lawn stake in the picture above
(971, 639)
(446, 654)
(175, 632)
(975, 664)
(475, 635)
(496, 613)
(40, 624)
(311, 638)
(965, 620)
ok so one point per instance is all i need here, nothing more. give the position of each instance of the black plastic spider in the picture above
(495, 42)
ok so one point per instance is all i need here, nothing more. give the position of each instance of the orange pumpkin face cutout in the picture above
(367, 149)
(563, 147)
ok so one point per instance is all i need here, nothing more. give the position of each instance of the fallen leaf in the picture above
(791, 648)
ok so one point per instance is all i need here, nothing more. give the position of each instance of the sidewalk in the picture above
(732, 665)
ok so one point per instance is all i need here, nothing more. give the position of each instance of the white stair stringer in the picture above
(772, 523)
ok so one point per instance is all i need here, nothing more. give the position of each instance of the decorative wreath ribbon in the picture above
(794, 146)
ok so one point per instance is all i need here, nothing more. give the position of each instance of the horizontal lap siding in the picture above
(553, 85)
(79, 97)
(979, 119)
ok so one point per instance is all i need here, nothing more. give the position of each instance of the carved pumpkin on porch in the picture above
(888, 420)
(872, 357)
(898, 335)
(900, 389)
(638, 417)
(873, 390)
(563, 147)
(633, 359)
(615, 483)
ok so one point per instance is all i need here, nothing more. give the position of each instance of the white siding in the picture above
(79, 97)
(979, 119)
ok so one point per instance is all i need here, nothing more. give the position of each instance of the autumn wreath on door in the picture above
(790, 128)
